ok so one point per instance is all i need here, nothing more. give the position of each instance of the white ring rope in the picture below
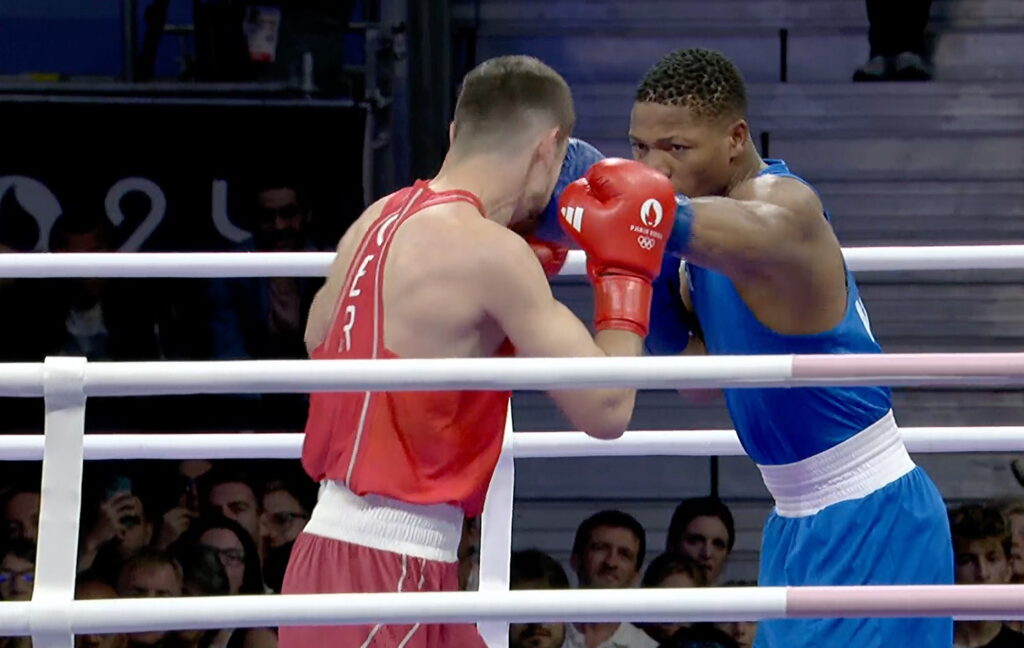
(316, 264)
(965, 602)
(525, 445)
(675, 372)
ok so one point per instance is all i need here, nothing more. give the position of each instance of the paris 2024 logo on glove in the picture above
(651, 215)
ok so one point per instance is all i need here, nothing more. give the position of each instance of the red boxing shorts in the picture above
(376, 544)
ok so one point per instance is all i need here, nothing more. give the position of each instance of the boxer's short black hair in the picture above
(702, 80)
(500, 93)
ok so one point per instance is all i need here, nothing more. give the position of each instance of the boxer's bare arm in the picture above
(772, 240)
(766, 225)
(516, 294)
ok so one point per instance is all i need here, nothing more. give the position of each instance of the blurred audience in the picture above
(608, 553)
(700, 635)
(100, 319)
(114, 528)
(236, 548)
(981, 547)
(742, 632)
(671, 570)
(151, 573)
(183, 502)
(21, 512)
(87, 590)
(1014, 513)
(469, 554)
(265, 317)
(703, 529)
(227, 490)
(261, 318)
(202, 575)
(287, 505)
(220, 516)
(17, 570)
(535, 570)
(897, 39)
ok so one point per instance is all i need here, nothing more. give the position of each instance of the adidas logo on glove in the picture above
(573, 216)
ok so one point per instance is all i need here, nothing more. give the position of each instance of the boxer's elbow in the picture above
(611, 417)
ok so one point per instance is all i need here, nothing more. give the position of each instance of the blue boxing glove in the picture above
(579, 157)
(671, 324)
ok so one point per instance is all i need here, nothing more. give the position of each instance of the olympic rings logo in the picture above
(646, 242)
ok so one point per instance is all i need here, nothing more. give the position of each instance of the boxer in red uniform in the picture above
(440, 270)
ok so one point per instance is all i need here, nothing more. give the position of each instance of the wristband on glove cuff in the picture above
(679, 240)
(622, 302)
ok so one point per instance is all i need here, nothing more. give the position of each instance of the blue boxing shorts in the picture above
(860, 513)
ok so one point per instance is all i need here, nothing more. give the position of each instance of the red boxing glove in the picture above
(552, 256)
(621, 214)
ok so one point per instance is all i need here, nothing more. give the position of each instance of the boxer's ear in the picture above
(550, 147)
(739, 133)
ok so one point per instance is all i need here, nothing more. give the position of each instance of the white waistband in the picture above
(855, 468)
(430, 532)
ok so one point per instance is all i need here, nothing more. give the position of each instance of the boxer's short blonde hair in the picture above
(502, 96)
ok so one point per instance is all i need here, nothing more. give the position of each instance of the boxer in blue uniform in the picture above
(764, 274)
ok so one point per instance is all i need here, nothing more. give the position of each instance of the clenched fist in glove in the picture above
(620, 214)
(552, 256)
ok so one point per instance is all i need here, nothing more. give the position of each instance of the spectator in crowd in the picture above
(897, 39)
(469, 554)
(150, 574)
(703, 528)
(287, 504)
(700, 635)
(275, 563)
(183, 507)
(238, 558)
(21, 512)
(230, 492)
(18, 339)
(981, 547)
(116, 526)
(187, 477)
(261, 317)
(742, 632)
(97, 318)
(608, 552)
(87, 590)
(17, 570)
(1014, 513)
(671, 570)
(202, 574)
(535, 570)
(236, 549)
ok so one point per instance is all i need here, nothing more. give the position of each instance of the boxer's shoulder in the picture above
(787, 192)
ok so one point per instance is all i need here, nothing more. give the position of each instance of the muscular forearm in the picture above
(602, 413)
(619, 343)
(614, 406)
(732, 235)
